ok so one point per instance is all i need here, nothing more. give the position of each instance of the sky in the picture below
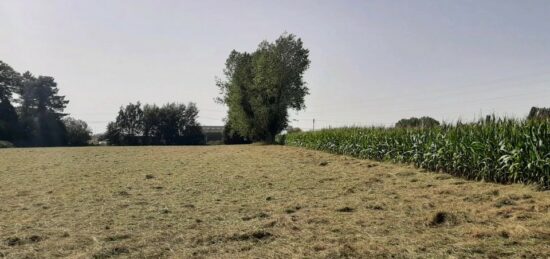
(372, 62)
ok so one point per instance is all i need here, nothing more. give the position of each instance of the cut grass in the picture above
(254, 201)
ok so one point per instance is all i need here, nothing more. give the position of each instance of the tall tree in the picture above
(170, 116)
(40, 94)
(191, 130)
(9, 81)
(130, 119)
(262, 86)
(237, 95)
(42, 110)
(130, 123)
(178, 125)
(113, 134)
(151, 123)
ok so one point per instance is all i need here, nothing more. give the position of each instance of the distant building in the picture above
(212, 133)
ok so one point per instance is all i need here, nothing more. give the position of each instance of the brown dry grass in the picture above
(254, 201)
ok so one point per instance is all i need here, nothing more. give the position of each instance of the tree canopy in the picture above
(413, 122)
(41, 111)
(78, 132)
(10, 80)
(538, 113)
(171, 124)
(37, 118)
(260, 87)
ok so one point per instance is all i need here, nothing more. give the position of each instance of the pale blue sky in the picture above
(372, 62)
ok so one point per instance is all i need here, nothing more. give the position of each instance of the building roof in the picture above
(209, 129)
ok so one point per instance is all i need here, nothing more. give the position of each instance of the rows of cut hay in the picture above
(503, 150)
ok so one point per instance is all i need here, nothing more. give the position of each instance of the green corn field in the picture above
(499, 150)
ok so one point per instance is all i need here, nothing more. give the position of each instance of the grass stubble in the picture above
(255, 201)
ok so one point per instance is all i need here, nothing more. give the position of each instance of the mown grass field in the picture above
(254, 201)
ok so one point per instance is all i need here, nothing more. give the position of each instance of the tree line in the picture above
(170, 124)
(32, 112)
(259, 88)
(535, 113)
(413, 122)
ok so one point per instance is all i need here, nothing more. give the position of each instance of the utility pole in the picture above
(313, 124)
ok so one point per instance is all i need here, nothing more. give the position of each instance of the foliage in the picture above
(9, 81)
(130, 120)
(37, 120)
(41, 95)
(538, 113)
(413, 122)
(231, 136)
(500, 150)
(261, 86)
(113, 134)
(41, 111)
(280, 139)
(78, 132)
(171, 124)
(151, 123)
(9, 123)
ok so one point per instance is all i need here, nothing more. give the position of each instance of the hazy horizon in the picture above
(372, 62)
